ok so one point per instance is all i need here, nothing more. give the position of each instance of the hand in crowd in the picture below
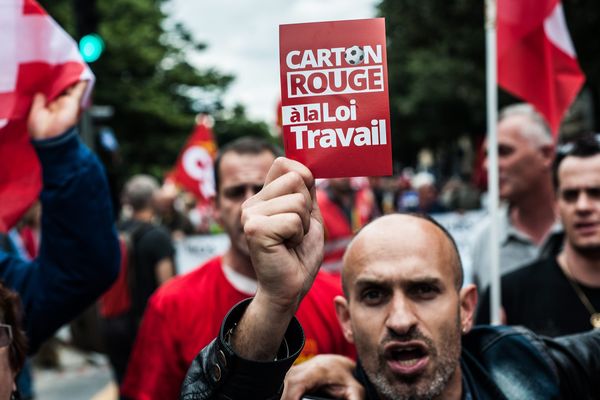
(49, 120)
(327, 373)
(284, 229)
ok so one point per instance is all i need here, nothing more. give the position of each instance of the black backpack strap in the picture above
(132, 237)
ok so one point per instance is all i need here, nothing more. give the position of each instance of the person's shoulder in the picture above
(487, 339)
(151, 232)
(514, 358)
(528, 273)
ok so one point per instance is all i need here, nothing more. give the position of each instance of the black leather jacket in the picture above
(497, 363)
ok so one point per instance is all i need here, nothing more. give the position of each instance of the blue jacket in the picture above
(79, 251)
(498, 363)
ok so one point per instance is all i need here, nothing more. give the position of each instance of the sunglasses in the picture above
(238, 192)
(5, 335)
(571, 195)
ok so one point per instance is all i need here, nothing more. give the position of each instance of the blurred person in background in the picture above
(13, 343)
(149, 255)
(345, 210)
(525, 154)
(78, 256)
(560, 294)
(79, 251)
(185, 314)
(170, 212)
(460, 195)
(428, 203)
(387, 193)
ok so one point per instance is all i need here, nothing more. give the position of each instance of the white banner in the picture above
(193, 251)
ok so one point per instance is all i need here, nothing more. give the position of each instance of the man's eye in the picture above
(570, 195)
(504, 151)
(234, 192)
(372, 296)
(593, 193)
(425, 291)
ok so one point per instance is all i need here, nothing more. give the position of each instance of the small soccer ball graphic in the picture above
(355, 55)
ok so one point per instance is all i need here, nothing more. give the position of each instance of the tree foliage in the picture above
(436, 66)
(144, 74)
(436, 71)
(233, 124)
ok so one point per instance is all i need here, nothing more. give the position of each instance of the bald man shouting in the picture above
(404, 307)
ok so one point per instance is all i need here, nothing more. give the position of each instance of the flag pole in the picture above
(492, 141)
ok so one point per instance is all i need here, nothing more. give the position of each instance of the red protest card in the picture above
(334, 97)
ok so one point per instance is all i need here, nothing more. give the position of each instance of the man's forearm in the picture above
(260, 333)
(79, 253)
(220, 372)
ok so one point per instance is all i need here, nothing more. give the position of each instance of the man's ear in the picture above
(343, 315)
(468, 304)
(548, 152)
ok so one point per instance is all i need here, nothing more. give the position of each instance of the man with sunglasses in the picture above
(560, 294)
(185, 314)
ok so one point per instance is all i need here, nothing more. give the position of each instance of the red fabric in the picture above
(530, 65)
(30, 241)
(185, 315)
(31, 7)
(338, 230)
(117, 300)
(194, 167)
(49, 63)
(20, 174)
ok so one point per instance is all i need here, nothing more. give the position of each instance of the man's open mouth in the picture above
(407, 359)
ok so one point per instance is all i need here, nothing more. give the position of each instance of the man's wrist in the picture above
(56, 140)
(275, 306)
(261, 331)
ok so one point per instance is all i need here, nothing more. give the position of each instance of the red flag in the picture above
(36, 55)
(194, 168)
(536, 58)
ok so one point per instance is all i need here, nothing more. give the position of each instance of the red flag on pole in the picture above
(36, 55)
(536, 57)
(194, 168)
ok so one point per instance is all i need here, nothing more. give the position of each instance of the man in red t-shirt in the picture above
(184, 315)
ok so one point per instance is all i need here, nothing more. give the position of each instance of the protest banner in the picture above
(193, 251)
(462, 226)
(335, 106)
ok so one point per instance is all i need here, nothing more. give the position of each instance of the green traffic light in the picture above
(91, 47)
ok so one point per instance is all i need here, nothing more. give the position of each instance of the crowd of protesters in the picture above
(65, 254)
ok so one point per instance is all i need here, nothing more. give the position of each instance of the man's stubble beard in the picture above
(447, 365)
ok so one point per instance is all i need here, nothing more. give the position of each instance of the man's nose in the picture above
(583, 202)
(402, 315)
(248, 192)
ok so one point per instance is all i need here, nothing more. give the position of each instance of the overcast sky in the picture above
(243, 40)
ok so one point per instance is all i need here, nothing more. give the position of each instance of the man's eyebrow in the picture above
(362, 282)
(371, 281)
(424, 280)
